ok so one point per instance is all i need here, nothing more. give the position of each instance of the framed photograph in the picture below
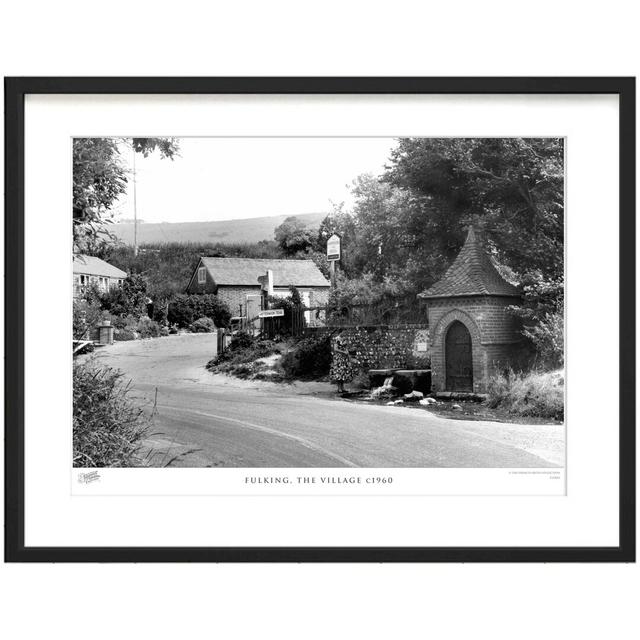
(320, 319)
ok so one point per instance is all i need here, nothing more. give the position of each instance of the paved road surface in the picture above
(244, 424)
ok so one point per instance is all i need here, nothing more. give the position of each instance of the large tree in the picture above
(511, 188)
(342, 222)
(408, 225)
(293, 236)
(389, 232)
(100, 177)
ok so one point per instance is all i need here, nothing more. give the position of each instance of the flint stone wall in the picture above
(388, 346)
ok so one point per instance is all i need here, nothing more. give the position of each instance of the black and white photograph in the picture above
(318, 302)
(320, 320)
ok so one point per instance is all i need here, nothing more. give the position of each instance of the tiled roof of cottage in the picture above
(472, 273)
(92, 266)
(245, 271)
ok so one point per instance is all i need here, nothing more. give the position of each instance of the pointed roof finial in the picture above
(472, 273)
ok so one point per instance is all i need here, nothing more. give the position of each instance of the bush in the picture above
(148, 328)
(203, 325)
(240, 359)
(184, 309)
(107, 427)
(124, 334)
(161, 312)
(548, 339)
(92, 293)
(130, 323)
(127, 299)
(86, 317)
(241, 340)
(532, 394)
(309, 358)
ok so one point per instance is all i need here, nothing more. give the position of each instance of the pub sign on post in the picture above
(333, 248)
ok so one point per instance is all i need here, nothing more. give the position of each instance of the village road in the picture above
(214, 420)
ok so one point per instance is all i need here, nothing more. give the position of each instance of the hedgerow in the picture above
(185, 309)
(108, 427)
(308, 358)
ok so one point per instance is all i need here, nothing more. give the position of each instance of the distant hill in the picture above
(223, 231)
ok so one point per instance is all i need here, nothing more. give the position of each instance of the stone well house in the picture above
(89, 270)
(472, 334)
(235, 280)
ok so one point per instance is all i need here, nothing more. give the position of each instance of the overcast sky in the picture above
(231, 178)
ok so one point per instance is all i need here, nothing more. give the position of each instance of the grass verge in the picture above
(534, 394)
(248, 359)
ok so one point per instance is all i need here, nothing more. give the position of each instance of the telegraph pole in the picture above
(135, 208)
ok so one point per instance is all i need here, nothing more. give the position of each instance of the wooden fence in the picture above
(302, 319)
(293, 323)
(379, 313)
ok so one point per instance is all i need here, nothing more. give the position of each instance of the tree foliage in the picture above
(86, 316)
(100, 177)
(128, 299)
(511, 188)
(408, 225)
(184, 309)
(293, 236)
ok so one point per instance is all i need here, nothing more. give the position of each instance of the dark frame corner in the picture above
(15, 91)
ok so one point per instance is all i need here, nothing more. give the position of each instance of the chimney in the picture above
(266, 282)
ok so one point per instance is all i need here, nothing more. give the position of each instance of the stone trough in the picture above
(405, 380)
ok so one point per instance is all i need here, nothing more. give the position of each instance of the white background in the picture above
(463, 38)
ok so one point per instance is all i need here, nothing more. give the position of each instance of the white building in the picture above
(91, 270)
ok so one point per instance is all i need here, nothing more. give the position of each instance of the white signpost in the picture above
(271, 313)
(333, 248)
(333, 254)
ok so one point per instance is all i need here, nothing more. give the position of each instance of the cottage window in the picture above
(202, 275)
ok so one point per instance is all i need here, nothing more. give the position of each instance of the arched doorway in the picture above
(458, 358)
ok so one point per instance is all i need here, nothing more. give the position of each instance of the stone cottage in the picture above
(472, 334)
(236, 281)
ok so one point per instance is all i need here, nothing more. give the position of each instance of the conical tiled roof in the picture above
(472, 274)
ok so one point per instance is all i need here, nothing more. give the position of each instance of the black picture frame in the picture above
(15, 91)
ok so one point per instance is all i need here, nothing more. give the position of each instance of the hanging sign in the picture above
(333, 247)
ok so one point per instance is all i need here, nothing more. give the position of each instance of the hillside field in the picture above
(249, 230)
